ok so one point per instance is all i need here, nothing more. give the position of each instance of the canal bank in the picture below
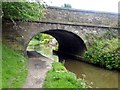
(14, 71)
(47, 73)
(93, 75)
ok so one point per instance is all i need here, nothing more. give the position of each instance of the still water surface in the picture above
(94, 76)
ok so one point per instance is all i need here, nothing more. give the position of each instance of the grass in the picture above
(14, 69)
(59, 77)
(0, 66)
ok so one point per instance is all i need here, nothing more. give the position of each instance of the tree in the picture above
(25, 11)
(67, 5)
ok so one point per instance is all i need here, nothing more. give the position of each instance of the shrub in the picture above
(24, 11)
(104, 52)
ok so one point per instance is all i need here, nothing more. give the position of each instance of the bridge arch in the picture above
(18, 34)
(69, 42)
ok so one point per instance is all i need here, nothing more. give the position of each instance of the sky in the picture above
(94, 5)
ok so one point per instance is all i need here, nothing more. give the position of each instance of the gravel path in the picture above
(37, 69)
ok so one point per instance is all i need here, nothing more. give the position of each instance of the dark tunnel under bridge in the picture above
(69, 43)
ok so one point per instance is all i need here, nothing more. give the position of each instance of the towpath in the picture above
(38, 66)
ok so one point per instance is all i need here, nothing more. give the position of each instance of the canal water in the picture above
(94, 76)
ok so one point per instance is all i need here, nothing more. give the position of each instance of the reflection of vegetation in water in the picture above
(44, 44)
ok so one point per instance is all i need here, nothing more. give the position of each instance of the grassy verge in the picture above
(104, 52)
(59, 77)
(13, 68)
(0, 66)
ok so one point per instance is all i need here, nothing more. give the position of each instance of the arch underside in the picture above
(69, 43)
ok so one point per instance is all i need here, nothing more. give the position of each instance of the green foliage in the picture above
(14, 70)
(24, 11)
(58, 67)
(44, 38)
(38, 37)
(67, 5)
(0, 65)
(59, 77)
(104, 52)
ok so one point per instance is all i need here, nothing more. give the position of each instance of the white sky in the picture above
(95, 5)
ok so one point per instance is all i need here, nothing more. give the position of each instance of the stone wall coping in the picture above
(68, 23)
(77, 24)
(81, 10)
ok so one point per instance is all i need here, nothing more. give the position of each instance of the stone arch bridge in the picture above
(68, 26)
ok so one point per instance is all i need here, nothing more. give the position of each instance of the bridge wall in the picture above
(19, 35)
(82, 17)
(80, 23)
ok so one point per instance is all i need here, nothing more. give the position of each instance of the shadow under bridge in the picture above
(70, 44)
